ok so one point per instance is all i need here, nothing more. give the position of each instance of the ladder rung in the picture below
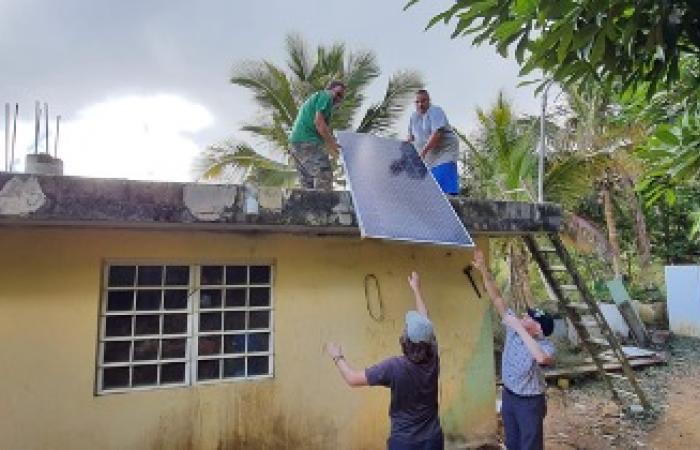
(616, 376)
(587, 323)
(578, 306)
(548, 250)
(558, 268)
(569, 287)
(598, 342)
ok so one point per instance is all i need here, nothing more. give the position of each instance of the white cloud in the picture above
(135, 137)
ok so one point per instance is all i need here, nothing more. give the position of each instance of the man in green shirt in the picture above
(310, 131)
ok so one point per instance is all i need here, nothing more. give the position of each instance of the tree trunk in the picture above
(612, 230)
(640, 226)
(520, 276)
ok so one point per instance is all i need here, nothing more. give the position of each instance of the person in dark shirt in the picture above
(412, 378)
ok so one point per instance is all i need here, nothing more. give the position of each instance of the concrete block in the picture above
(21, 196)
(270, 198)
(208, 202)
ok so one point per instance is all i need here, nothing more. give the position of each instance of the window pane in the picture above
(260, 296)
(174, 323)
(148, 324)
(234, 367)
(259, 319)
(258, 365)
(259, 274)
(177, 275)
(212, 275)
(118, 326)
(234, 321)
(258, 342)
(210, 298)
(121, 276)
(210, 321)
(175, 299)
(148, 300)
(146, 350)
(236, 275)
(209, 345)
(117, 351)
(120, 300)
(234, 343)
(115, 377)
(172, 373)
(145, 375)
(208, 369)
(173, 348)
(150, 276)
(235, 297)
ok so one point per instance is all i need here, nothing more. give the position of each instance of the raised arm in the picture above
(354, 378)
(414, 282)
(489, 283)
(325, 132)
(535, 349)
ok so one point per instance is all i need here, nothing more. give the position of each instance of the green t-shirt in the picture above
(304, 128)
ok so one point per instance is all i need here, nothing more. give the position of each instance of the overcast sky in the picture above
(142, 85)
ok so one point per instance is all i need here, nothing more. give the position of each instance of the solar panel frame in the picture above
(354, 142)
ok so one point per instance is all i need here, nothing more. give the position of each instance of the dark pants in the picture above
(437, 443)
(313, 165)
(523, 418)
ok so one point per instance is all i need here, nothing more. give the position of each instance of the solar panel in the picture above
(394, 194)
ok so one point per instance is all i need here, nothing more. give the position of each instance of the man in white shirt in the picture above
(433, 137)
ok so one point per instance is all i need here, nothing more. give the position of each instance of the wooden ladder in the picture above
(624, 386)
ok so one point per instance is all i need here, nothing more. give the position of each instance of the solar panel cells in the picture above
(394, 194)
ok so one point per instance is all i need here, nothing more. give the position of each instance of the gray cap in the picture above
(418, 327)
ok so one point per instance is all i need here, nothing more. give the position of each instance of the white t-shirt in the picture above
(422, 126)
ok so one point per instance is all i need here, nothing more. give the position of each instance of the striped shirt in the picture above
(520, 373)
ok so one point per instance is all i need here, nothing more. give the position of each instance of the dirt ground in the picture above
(584, 417)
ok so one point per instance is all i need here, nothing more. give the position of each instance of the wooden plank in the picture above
(585, 369)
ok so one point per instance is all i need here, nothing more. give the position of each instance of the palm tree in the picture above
(279, 91)
(586, 156)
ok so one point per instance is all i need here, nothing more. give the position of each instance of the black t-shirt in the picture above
(414, 396)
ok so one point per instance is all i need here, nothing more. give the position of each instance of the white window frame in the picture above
(192, 335)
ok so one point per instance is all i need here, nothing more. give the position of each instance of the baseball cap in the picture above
(545, 320)
(418, 327)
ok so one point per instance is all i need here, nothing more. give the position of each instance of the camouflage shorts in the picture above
(313, 165)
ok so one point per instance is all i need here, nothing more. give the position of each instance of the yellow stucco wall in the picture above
(49, 302)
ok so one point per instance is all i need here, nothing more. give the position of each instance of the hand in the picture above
(512, 321)
(334, 350)
(479, 261)
(423, 153)
(334, 150)
(414, 281)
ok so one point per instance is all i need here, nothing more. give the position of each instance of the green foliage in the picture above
(239, 160)
(633, 43)
(673, 157)
(503, 160)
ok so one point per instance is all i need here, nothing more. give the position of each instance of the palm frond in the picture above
(695, 229)
(298, 59)
(275, 133)
(270, 86)
(245, 162)
(361, 68)
(380, 117)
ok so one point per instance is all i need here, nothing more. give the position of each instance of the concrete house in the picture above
(140, 315)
